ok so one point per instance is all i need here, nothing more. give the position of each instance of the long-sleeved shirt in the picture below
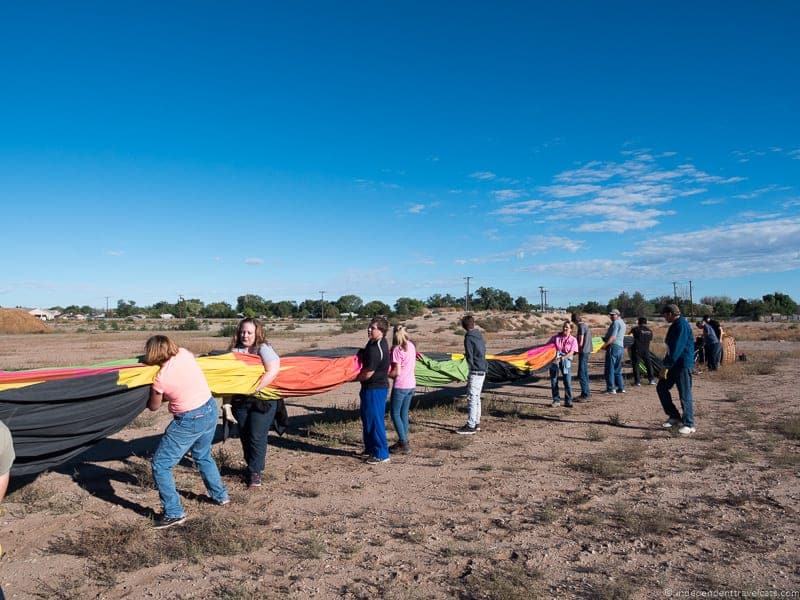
(680, 345)
(564, 343)
(475, 351)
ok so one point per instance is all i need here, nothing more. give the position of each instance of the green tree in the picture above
(778, 302)
(125, 309)
(284, 309)
(349, 303)
(252, 304)
(375, 308)
(489, 298)
(521, 304)
(409, 307)
(218, 310)
(443, 301)
(593, 307)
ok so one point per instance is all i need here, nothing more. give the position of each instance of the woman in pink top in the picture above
(403, 361)
(181, 382)
(566, 346)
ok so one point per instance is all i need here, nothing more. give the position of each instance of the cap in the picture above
(614, 312)
(671, 309)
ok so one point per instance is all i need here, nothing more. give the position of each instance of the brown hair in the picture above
(468, 322)
(261, 337)
(158, 349)
(381, 323)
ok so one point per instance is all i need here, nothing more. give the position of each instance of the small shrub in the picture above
(144, 420)
(616, 420)
(228, 330)
(594, 434)
(189, 324)
(141, 472)
(312, 547)
(790, 428)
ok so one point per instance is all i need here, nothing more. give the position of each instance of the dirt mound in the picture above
(14, 320)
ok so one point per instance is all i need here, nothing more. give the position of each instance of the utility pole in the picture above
(466, 298)
(691, 301)
(675, 291)
(181, 307)
(545, 299)
(322, 305)
(541, 298)
(107, 297)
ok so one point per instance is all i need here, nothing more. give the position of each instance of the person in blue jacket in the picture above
(677, 371)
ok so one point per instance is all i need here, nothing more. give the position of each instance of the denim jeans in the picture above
(373, 410)
(583, 373)
(613, 368)
(254, 426)
(401, 401)
(555, 369)
(644, 357)
(193, 430)
(474, 388)
(683, 379)
(713, 355)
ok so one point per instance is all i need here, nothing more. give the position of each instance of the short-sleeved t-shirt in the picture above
(583, 330)
(265, 351)
(407, 360)
(564, 343)
(617, 329)
(6, 449)
(375, 357)
(182, 382)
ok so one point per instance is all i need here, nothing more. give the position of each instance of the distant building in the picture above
(44, 315)
(167, 316)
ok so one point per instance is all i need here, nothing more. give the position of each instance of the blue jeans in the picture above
(567, 376)
(401, 401)
(193, 430)
(583, 373)
(613, 368)
(373, 409)
(683, 379)
(254, 426)
(713, 355)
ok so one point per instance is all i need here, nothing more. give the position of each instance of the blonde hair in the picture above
(400, 336)
(158, 349)
(260, 337)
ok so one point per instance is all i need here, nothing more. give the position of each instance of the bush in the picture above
(189, 324)
(227, 330)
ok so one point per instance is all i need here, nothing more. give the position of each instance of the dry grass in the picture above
(595, 434)
(790, 428)
(126, 547)
(617, 463)
(504, 581)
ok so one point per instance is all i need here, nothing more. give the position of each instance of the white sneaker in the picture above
(671, 423)
(686, 430)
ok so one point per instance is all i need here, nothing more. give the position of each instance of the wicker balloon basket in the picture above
(728, 350)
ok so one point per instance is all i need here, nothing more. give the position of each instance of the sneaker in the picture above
(254, 480)
(638, 384)
(653, 382)
(611, 391)
(377, 461)
(686, 430)
(224, 502)
(163, 522)
(568, 404)
(556, 402)
(622, 391)
(671, 423)
(467, 430)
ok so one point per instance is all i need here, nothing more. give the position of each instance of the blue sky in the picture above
(390, 149)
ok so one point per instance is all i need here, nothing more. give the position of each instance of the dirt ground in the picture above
(597, 501)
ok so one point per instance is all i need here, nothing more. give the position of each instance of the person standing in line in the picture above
(255, 416)
(7, 457)
(404, 360)
(374, 378)
(613, 345)
(566, 346)
(712, 348)
(640, 351)
(678, 364)
(475, 355)
(181, 381)
(584, 352)
(717, 327)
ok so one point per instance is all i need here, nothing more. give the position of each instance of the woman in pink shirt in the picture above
(181, 382)
(566, 346)
(403, 361)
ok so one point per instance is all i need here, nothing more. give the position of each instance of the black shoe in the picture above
(467, 430)
(163, 522)
(568, 404)
(254, 480)
(400, 447)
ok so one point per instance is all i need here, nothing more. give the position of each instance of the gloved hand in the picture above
(227, 413)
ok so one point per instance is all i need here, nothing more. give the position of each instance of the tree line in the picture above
(485, 298)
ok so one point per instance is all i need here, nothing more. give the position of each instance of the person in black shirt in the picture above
(374, 378)
(640, 351)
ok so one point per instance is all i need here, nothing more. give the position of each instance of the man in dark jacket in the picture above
(475, 355)
(584, 335)
(678, 364)
(640, 351)
(716, 351)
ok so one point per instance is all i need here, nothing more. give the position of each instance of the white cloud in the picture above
(537, 244)
(115, 252)
(482, 175)
(507, 194)
(712, 201)
(763, 190)
(415, 209)
(254, 261)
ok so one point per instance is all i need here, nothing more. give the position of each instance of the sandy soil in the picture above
(597, 501)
